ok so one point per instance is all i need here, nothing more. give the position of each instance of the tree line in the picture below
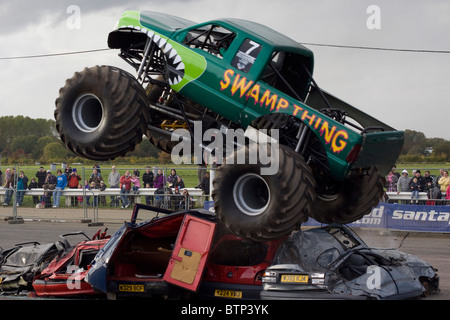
(25, 141)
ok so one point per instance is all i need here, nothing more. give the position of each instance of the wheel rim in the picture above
(87, 113)
(251, 194)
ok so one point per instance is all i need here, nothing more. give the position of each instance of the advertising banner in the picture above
(396, 217)
(403, 217)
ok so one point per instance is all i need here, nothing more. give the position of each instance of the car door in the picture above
(223, 83)
(190, 253)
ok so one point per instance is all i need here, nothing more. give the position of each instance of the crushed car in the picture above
(21, 263)
(180, 255)
(333, 262)
(65, 274)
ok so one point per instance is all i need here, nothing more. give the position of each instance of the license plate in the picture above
(228, 294)
(131, 287)
(294, 278)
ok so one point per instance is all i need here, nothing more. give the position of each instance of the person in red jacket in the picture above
(125, 186)
(73, 180)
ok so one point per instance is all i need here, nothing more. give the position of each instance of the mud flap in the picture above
(191, 251)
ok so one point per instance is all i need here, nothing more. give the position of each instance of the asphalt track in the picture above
(433, 248)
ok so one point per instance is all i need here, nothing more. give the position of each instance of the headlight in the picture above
(269, 277)
(317, 278)
(270, 274)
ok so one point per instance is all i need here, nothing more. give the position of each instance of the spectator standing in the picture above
(125, 187)
(34, 185)
(160, 180)
(97, 167)
(420, 181)
(172, 178)
(444, 182)
(61, 183)
(87, 187)
(403, 183)
(429, 183)
(73, 181)
(147, 180)
(391, 182)
(447, 194)
(80, 198)
(49, 186)
(148, 177)
(204, 185)
(93, 186)
(177, 199)
(10, 185)
(394, 171)
(96, 178)
(159, 183)
(114, 182)
(187, 201)
(102, 198)
(41, 175)
(22, 184)
(441, 174)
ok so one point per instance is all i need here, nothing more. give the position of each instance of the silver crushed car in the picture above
(333, 262)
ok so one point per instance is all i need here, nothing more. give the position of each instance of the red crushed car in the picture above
(180, 255)
(65, 274)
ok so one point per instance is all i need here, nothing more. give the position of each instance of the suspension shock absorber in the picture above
(302, 137)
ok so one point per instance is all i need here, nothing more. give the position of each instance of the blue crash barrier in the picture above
(403, 217)
(396, 217)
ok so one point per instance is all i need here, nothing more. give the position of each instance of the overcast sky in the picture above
(404, 89)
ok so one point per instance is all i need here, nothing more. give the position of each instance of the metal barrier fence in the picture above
(106, 206)
(95, 206)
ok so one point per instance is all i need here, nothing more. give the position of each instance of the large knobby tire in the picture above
(358, 195)
(101, 113)
(264, 207)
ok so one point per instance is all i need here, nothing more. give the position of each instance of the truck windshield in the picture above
(211, 38)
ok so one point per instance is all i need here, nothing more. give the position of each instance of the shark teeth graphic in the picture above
(175, 65)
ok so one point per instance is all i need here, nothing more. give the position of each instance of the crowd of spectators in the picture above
(170, 187)
(437, 188)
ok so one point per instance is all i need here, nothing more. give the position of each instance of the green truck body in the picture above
(231, 83)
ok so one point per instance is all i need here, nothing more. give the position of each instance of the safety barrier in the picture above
(394, 216)
(94, 205)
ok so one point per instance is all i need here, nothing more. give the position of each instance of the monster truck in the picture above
(233, 74)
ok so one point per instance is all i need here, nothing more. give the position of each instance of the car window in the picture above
(246, 55)
(326, 258)
(286, 72)
(213, 39)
